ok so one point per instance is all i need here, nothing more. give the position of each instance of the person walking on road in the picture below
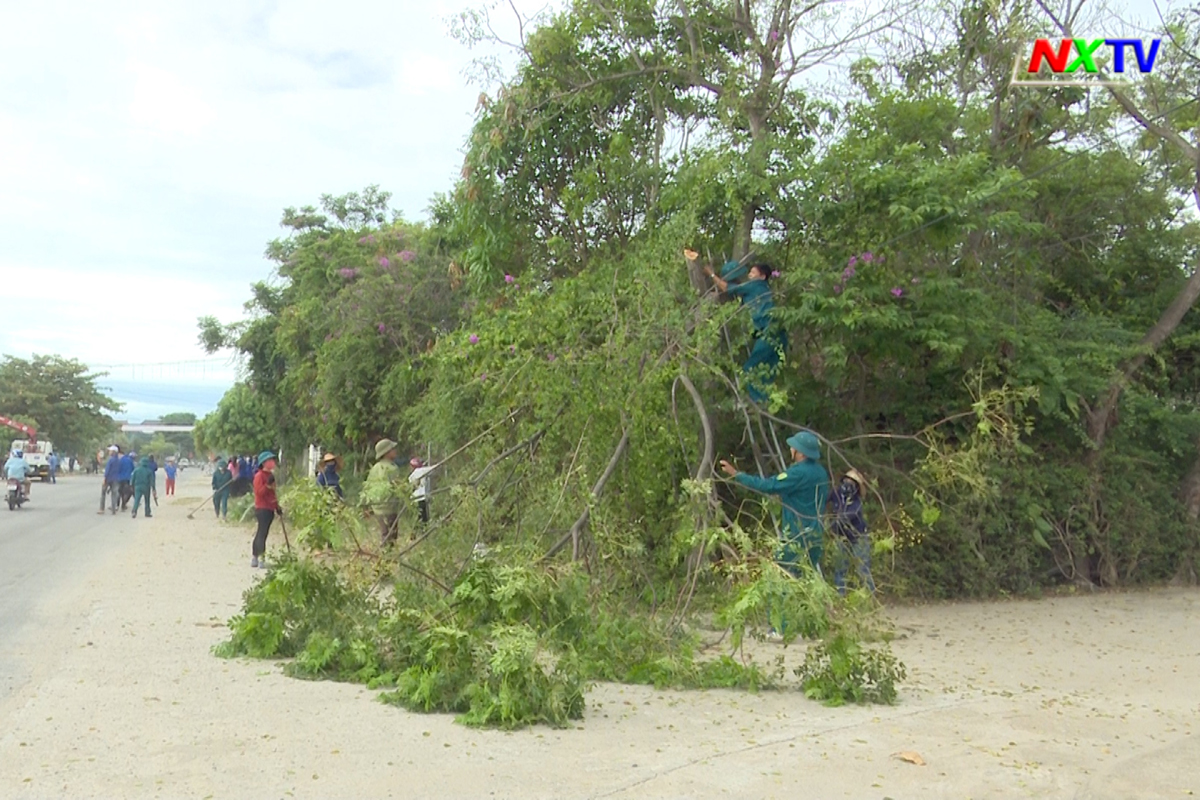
(380, 490)
(126, 466)
(111, 487)
(221, 480)
(53, 463)
(420, 479)
(143, 486)
(266, 507)
(169, 470)
(328, 476)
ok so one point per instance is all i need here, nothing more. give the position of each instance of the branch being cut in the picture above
(577, 529)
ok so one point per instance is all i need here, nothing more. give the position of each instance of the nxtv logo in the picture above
(1084, 52)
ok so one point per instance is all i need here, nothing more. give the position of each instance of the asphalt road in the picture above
(47, 546)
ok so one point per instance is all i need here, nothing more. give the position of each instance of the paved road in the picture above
(47, 546)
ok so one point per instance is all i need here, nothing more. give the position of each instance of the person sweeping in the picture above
(221, 481)
(266, 507)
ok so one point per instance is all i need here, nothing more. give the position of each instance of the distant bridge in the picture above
(128, 428)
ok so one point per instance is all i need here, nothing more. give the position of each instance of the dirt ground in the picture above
(1078, 697)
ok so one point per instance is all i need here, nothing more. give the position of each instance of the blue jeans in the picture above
(860, 554)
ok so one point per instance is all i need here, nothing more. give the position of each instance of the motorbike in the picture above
(16, 494)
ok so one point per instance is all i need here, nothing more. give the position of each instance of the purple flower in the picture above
(853, 261)
(774, 36)
(848, 273)
(867, 258)
(897, 292)
(383, 262)
(473, 339)
(774, 273)
(363, 240)
(370, 238)
(551, 357)
(483, 377)
(382, 327)
(512, 348)
(508, 278)
(407, 255)
(837, 288)
(347, 273)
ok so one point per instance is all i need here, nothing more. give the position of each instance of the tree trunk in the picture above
(743, 239)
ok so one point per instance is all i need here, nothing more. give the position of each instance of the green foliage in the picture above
(842, 670)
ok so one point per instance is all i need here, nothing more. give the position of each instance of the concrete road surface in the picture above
(45, 546)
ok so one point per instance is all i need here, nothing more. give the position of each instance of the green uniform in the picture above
(143, 485)
(804, 488)
(770, 342)
(379, 490)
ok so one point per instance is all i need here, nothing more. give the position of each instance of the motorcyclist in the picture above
(17, 467)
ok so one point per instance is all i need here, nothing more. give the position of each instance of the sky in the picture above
(147, 150)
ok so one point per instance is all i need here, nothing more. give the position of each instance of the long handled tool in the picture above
(286, 540)
(191, 515)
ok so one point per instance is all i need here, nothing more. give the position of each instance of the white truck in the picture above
(37, 454)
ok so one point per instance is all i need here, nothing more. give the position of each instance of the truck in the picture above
(37, 453)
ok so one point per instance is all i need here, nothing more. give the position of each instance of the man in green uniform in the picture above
(770, 341)
(221, 480)
(380, 489)
(143, 486)
(804, 489)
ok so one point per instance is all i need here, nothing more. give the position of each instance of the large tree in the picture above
(60, 398)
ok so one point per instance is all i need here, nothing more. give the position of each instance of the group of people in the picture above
(126, 477)
(380, 488)
(805, 490)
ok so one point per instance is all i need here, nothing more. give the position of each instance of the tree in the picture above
(60, 397)
(242, 424)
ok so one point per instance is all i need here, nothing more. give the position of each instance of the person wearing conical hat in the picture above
(804, 490)
(266, 507)
(380, 489)
(328, 476)
(850, 532)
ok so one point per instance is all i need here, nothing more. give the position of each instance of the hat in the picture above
(328, 457)
(416, 462)
(733, 271)
(384, 447)
(112, 448)
(857, 477)
(807, 444)
(265, 456)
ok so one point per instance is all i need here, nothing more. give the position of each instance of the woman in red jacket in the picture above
(266, 506)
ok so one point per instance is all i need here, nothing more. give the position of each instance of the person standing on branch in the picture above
(221, 480)
(380, 490)
(328, 476)
(770, 340)
(266, 507)
(804, 490)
